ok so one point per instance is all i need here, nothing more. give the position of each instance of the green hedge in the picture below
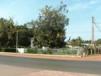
(32, 51)
(8, 49)
(52, 51)
(39, 51)
(66, 51)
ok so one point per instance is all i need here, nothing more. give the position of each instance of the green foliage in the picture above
(39, 51)
(98, 42)
(62, 51)
(48, 51)
(49, 29)
(32, 51)
(23, 36)
(7, 32)
(66, 51)
(8, 50)
(76, 42)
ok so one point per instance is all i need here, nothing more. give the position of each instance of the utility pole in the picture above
(93, 31)
(93, 36)
(16, 40)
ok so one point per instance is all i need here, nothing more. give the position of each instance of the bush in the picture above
(32, 51)
(1, 50)
(66, 51)
(49, 51)
(9, 50)
(63, 51)
(39, 51)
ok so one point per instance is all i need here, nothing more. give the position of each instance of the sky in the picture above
(80, 14)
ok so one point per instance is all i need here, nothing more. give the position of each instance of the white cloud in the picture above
(82, 5)
(76, 7)
(92, 2)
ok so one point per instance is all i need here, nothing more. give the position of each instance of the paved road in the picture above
(91, 67)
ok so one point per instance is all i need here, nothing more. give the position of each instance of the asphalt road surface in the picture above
(89, 67)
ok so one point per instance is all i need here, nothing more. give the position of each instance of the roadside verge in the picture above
(54, 57)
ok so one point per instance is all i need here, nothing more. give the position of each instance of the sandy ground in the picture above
(6, 70)
(57, 73)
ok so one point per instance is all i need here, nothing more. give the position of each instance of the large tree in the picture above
(6, 32)
(23, 36)
(49, 29)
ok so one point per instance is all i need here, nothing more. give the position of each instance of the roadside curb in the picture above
(42, 56)
(53, 57)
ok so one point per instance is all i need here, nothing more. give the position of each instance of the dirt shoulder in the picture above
(55, 57)
(57, 73)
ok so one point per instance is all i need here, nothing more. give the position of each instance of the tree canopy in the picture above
(77, 41)
(48, 30)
